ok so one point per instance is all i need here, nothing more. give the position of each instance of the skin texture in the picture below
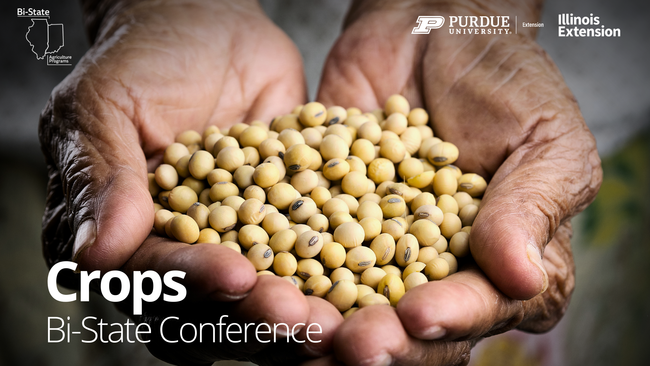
(503, 102)
(158, 68)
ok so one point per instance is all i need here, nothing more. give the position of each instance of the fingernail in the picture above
(281, 330)
(435, 332)
(381, 360)
(222, 296)
(535, 257)
(86, 235)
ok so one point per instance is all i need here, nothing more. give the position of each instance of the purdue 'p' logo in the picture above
(427, 23)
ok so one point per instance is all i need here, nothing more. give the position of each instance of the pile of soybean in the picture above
(354, 207)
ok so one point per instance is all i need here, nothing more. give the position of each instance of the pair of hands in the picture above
(158, 68)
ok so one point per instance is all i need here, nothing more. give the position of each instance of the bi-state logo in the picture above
(44, 37)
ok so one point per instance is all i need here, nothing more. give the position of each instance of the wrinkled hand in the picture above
(157, 68)
(505, 105)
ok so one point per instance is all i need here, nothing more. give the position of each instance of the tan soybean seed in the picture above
(336, 169)
(309, 267)
(451, 261)
(223, 219)
(429, 212)
(283, 240)
(381, 170)
(222, 190)
(415, 279)
(184, 229)
(349, 234)
(463, 199)
(243, 176)
(174, 152)
(261, 256)
(160, 219)
(199, 212)
(397, 104)
(317, 285)
(392, 287)
(392, 205)
(252, 211)
(209, 235)
(266, 175)
(232, 235)
(181, 198)
(318, 222)
(219, 175)
(230, 158)
(298, 157)
(413, 268)
(353, 184)
(427, 254)
(233, 201)
(472, 183)
(442, 154)
(309, 244)
(333, 146)
(451, 224)
(360, 258)
(313, 114)
(373, 299)
(320, 195)
(459, 244)
(252, 136)
(425, 231)
(302, 209)
(271, 147)
(468, 214)
(418, 117)
(166, 177)
(251, 235)
(371, 228)
(437, 269)
(332, 255)
(447, 204)
(304, 181)
(444, 182)
(406, 250)
(372, 276)
(285, 264)
(342, 294)
(256, 192)
(394, 227)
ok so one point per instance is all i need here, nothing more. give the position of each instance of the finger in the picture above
(364, 77)
(540, 186)
(213, 272)
(98, 206)
(544, 311)
(375, 336)
(464, 305)
(323, 322)
(313, 340)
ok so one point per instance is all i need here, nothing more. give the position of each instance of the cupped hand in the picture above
(157, 68)
(503, 102)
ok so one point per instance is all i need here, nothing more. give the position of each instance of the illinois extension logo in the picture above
(45, 39)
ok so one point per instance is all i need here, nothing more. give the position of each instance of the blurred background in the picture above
(610, 311)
